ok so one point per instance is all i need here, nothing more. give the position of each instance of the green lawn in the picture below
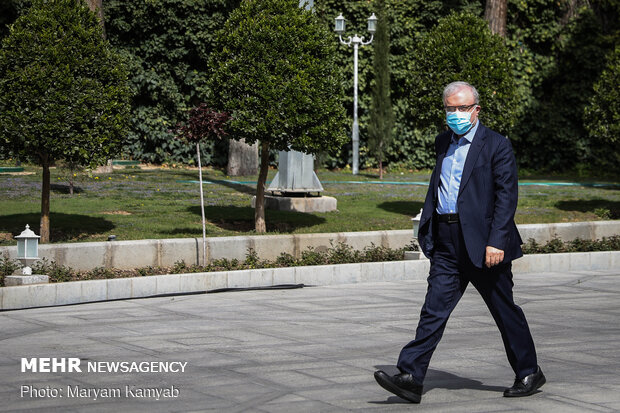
(160, 203)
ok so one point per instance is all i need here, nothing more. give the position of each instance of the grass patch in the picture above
(160, 203)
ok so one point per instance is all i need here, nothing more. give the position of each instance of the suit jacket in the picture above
(487, 198)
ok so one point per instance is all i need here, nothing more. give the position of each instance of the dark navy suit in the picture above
(487, 201)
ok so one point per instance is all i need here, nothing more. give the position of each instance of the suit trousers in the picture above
(451, 272)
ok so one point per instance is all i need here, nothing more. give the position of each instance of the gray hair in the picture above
(454, 87)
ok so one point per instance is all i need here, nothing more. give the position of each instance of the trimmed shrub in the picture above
(63, 91)
(460, 47)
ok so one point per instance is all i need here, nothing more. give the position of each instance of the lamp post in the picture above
(27, 249)
(356, 41)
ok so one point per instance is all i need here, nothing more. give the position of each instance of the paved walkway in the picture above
(315, 349)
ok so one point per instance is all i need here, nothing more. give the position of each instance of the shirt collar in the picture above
(469, 135)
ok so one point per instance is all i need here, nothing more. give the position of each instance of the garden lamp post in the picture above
(356, 41)
(27, 249)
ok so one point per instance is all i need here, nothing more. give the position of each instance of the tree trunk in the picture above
(97, 7)
(242, 158)
(45, 202)
(495, 15)
(259, 211)
(380, 169)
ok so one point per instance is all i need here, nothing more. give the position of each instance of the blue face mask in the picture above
(459, 122)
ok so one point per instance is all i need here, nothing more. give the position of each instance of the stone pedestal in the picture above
(12, 280)
(414, 255)
(299, 204)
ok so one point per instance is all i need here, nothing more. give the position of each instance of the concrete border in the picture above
(165, 252)
(45, 295)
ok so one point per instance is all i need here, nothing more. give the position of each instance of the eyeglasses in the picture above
(463, 108)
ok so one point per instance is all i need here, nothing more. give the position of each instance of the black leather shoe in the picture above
(403, 385)
(527, 385)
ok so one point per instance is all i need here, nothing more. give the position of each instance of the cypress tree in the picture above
(381, 115)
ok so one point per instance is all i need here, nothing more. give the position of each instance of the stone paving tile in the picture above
(315, 349)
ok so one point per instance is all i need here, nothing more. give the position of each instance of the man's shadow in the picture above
(437, 379)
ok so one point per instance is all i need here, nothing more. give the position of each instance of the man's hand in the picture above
(493, 256)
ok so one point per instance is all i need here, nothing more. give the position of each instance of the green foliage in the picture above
(167, 44)
(63, 92)
(603, 213)
(461, 47)
(375, 253)
(340, 253)
(9, 10)
(285, 260)
(7, 267)
(251, 259)
(149, 270)
(577, 245)
(275, 74)
(602, 114)
(381, 113)
(407, 21)
(56, 272)
(100, 273)
(559, 54)
(313, 257)
(179, 267)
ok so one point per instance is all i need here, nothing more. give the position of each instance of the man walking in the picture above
(467, 230)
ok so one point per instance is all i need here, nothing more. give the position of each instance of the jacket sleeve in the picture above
(506, 191)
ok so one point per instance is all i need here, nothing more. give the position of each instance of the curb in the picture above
(77, 292)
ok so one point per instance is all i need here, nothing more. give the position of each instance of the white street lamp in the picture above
(27, 249)
(356, 41)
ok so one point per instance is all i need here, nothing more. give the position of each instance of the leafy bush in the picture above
(56, 272)
(251, 259)
(577, 245)
(461, 47)
(285, 260)
(223, 264)
(603, 213)
(149, 270)
(7, 267)
(341, 254)
(379, 254)
(179, 267)
(101, 273)
(313, 257)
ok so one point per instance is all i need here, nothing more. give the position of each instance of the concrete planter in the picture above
(165, 252)
(44, 295)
